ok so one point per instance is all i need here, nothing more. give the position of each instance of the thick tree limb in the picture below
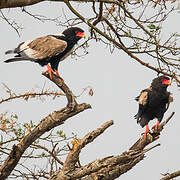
(78, 144)
(17, 3)
(171, 176)
(108, 168)
(21, 3)
(54, 119)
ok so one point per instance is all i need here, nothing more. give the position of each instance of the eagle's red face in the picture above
(80, 34)
(166, 82)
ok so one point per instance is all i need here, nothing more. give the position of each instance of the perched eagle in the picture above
(48, 49)
(153, 102)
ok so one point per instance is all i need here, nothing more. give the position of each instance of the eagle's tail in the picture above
(15, 59)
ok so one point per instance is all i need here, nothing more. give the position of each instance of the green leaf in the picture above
(61, 134)
(152, 26)
(15, 116)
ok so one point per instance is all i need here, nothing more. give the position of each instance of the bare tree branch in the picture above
(118, 26)
(28, 95)
(108, 168)
(69, 95)
(78, 144)
(54, 119)
(12, 23)
(50, 152)
(142, 143)
(171, 176)
(21, 3)
(17, 3)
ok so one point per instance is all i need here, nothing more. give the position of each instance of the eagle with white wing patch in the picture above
(153, 102)
(50, 49)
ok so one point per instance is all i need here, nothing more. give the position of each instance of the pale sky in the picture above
(116, 80)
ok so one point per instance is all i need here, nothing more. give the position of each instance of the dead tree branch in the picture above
(78, 144)
(22, 3)
(12, 23)
(69, 95)
(153, 136)
(171, 176)
(50, 152)
(28, 95)
(54, 119)
(108, 168)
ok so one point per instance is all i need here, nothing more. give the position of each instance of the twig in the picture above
(50, 152)
(31, 94)
(13, 24)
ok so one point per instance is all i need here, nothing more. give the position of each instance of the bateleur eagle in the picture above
(50, 49)
(153, 102)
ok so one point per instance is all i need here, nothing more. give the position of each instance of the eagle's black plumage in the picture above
(153, 102)
(48, 49)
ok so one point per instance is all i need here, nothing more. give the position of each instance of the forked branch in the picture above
(108, 168)
(54, 119)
